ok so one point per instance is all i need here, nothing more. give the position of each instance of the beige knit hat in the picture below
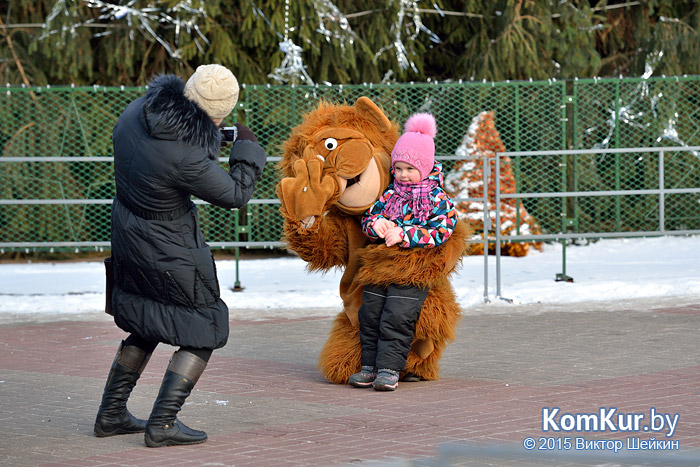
(214, 88)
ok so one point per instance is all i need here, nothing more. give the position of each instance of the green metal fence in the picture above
(56, 171)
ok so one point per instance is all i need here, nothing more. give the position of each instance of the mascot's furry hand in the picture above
(308, 193)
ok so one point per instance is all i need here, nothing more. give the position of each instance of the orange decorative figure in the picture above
(467, 180)
(335, 165)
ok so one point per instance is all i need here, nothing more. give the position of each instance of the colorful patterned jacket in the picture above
(429, 234)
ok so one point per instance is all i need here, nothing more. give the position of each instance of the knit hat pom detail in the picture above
(422, 123)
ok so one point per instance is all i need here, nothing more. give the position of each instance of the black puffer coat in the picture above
(165, 150)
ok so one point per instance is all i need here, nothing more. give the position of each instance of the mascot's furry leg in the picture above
(436, 327)
(340, 356)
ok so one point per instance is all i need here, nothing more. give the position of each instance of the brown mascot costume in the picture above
(334, 167)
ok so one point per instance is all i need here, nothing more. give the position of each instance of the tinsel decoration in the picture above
(184, 16)
(292, 69)
(642, 106)
(408, 9)
(340, 27)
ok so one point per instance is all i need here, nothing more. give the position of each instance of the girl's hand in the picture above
(381, 225)
(393, 236)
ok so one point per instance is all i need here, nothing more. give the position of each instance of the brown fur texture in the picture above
(334, 239)
(340, 356)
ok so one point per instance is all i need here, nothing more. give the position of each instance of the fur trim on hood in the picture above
(170, 115)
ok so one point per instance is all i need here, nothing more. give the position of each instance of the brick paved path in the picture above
(262, 401)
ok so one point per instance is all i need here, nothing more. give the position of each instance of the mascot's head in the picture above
(354, 143)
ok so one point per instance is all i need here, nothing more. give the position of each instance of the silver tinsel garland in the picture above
(186, 16)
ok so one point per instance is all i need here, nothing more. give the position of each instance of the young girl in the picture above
(413, 212)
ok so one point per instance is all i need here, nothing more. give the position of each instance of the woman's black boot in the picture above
(113, 418)
(163, 427)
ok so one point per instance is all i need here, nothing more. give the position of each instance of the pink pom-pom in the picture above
(422, 123)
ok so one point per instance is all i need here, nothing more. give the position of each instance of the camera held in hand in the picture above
(229, 134)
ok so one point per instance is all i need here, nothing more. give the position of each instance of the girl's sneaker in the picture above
(386, 380)
(364, 378)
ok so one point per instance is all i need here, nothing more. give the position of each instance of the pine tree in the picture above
(347, 41)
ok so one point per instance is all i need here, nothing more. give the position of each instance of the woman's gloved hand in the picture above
(252, 154)
(245, 133)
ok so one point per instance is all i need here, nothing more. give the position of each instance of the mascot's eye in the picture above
(330, 144)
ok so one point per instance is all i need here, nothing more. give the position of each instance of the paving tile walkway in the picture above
(263, 402)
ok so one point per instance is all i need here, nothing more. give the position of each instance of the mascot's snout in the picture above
(348, 156)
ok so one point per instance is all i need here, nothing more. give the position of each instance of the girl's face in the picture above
(406, 173)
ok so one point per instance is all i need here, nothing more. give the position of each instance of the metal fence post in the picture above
(236, 228)
(487, 225)
(497, 189)
(618, 184)
(662, 194)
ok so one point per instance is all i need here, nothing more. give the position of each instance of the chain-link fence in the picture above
(56, 181)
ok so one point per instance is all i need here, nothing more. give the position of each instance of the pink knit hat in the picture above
(416, 145)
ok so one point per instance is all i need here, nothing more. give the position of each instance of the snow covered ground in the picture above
(624, 271)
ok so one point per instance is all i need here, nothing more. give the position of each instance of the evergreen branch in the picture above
(18, 62)
(349, 15)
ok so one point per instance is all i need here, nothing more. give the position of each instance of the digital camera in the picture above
(229, 134)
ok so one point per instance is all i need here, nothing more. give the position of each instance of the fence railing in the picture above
(659, 219)
(56, 171)
(656, 222)
(55, 144)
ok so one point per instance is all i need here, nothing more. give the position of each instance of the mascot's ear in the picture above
(369, 110)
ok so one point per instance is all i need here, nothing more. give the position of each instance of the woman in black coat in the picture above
(166, 146)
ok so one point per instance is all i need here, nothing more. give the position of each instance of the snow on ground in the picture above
(608, 270)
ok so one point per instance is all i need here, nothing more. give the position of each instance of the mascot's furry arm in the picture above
(324, 245)
(420, 267)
